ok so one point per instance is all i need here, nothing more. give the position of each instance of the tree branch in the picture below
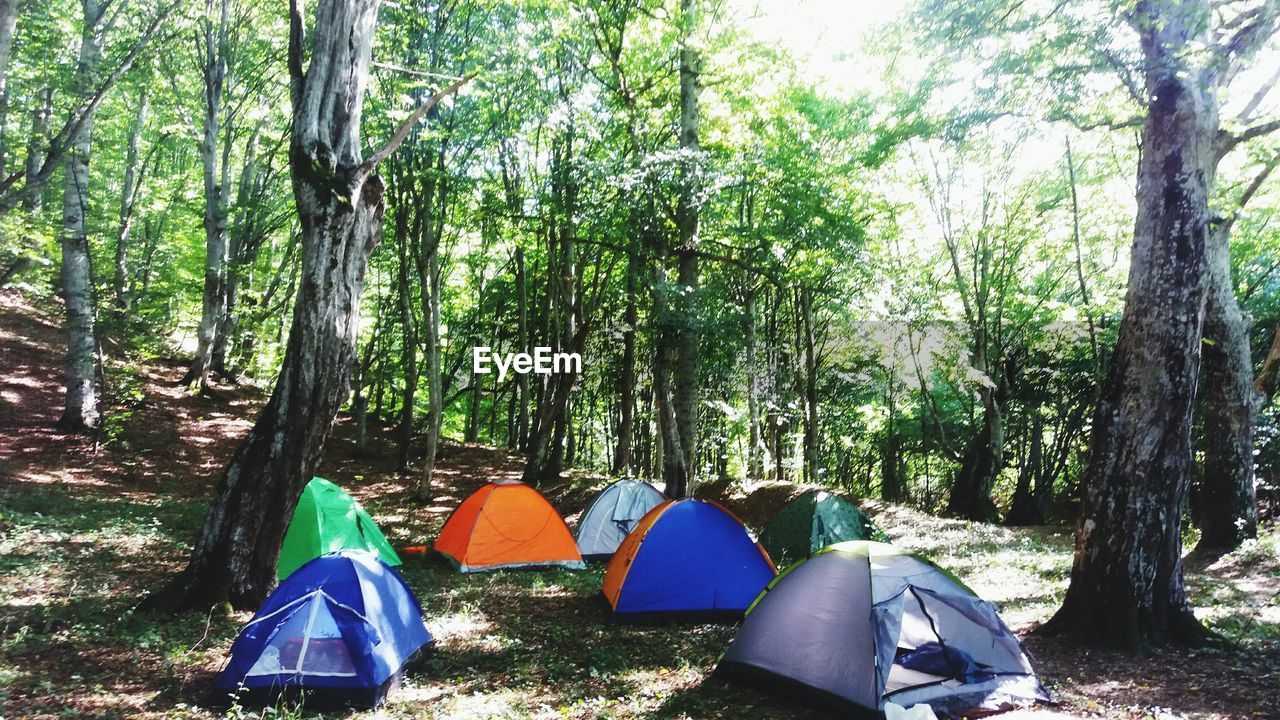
(403, 131)
(61, 142)
(1228, 141)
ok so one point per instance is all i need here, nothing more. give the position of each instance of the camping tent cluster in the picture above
(854, 622)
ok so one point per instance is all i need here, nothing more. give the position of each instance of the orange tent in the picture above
(507, 524)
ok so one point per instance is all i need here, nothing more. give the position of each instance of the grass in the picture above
(512, 644)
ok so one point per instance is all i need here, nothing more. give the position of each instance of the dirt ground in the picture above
(89, 525)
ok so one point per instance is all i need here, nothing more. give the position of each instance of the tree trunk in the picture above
(685, 399)
(81, 411)
(755, 469)
(435, 403)
(982, 462)
(674, 470)
(891, 477)
(522, 337)
(1031, 495)
(244, 243)
(1126, 586)
(8, 22)
(41, 113)
(340, 203)
(1228, 512)
(627, 383)
(811, 437)
(128, 200)
(408, 338)
(1269, 376)
(214, 301)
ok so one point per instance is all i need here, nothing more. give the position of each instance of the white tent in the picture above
(613, 515)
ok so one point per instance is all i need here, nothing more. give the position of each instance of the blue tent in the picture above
(337, 632)
(686, 560)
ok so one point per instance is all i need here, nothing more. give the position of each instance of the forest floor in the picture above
(89, 526)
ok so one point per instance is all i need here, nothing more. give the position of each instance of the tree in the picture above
(339, 198)
(213, 50)
(81, 409)
(1126, 586)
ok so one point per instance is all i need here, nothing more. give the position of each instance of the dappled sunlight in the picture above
(458, 628)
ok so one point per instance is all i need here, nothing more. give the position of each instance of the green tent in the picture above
(811, 522)
(327, 519)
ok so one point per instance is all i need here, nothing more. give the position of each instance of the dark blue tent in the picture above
(686, 560)
(337, 632)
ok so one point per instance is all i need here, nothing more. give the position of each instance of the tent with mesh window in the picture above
(339, 632)
(326, 520)
(861, 624)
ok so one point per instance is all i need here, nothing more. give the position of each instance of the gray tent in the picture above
(613, 515)
(864, 623)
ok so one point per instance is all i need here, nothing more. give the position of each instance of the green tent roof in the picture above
(811, 522)
(326, 520)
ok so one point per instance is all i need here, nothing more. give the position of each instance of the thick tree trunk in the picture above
(81, 411)
(128, 200)
(214, 301)
(340, 204)
(1126, 585)
(1228, 511)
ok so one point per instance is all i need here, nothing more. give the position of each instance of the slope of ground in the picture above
(86, 529)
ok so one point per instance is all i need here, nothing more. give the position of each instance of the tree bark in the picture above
(686, 381)
(1127, 587)
(81, 411)
(8, 22)
(339, 198)
(1228, 512)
